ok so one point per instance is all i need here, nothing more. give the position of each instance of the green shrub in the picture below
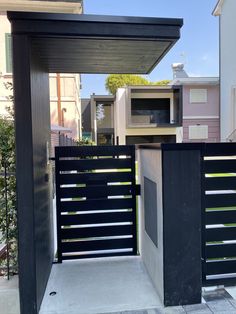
(7, 161)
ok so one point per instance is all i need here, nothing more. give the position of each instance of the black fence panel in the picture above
(96, 201)
(219, 213)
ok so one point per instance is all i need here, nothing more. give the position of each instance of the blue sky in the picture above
(198, 46)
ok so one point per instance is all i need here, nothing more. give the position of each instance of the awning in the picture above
(69, 43)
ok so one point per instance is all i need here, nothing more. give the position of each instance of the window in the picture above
(150, 111)
(198, 132)
(8, 46)
(198, 95)
(104, 115)
(105, 139)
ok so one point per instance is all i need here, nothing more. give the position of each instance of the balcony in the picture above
(152, 107)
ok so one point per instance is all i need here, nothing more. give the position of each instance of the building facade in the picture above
(186, 110)
(65, 104)
(98, 119)
(201, 110)
(226, 11)
(148, 114)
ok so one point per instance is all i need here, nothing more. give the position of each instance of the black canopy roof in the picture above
(72, 43)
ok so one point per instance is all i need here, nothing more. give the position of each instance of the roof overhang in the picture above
(60, 129)
(218, 8)
(198, 81)
(68, 43)
(64, 6)
(102, 97)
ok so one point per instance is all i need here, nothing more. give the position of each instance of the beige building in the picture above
(65, 101)
(135, 115)
(148, 114)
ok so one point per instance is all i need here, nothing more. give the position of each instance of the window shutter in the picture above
(198, 132)
(8, 45)
(198, 95)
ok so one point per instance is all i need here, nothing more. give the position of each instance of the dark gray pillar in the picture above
(32, 121)
(182, 224)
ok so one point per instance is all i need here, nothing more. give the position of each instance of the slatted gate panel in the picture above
(96, 201)
(219, 217)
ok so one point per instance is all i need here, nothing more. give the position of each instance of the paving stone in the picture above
(197, 309)
(221, 306)
(135, 312)
(174, 310)
(225, 312)
(218, 294)
(233, 302)
(154, 311)
(131, 312)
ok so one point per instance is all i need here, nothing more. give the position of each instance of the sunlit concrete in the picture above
(99, 286)
(9, 296)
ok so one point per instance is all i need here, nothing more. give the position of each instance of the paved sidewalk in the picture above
(218, 307)
(9, 296)
(220, 301)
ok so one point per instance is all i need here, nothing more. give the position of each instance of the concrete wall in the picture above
(171, 225)
(150, 162)
(228, 68)
(120, 115)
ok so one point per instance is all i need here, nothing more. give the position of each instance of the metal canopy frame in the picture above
(44, 43)
(95, 43)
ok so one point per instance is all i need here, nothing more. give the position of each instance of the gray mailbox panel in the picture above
(150, 209)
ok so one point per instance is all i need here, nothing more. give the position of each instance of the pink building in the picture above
(201, 108)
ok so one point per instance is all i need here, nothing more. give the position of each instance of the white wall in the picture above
(120, 115)
(228, 67)
(150, 166)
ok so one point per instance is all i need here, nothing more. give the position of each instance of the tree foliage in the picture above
(85, 142)
(162, 82)
(115, 81)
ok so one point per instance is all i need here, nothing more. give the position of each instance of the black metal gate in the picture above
(219, 214)
(96, 201)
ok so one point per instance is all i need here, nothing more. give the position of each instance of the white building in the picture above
(226, 10)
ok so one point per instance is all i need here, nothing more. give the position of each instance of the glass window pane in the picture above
(150, 111)
(104, 115)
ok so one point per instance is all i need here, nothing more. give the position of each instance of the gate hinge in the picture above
(138, 189)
